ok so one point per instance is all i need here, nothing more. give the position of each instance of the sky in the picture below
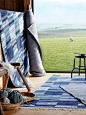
(60, 11)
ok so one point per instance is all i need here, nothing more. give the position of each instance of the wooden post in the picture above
(29, 5)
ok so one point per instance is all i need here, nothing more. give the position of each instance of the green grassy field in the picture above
(58, 53)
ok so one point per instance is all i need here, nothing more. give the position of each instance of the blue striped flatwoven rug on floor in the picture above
(50, 95)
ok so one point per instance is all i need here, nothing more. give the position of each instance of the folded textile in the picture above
(15, 97)
(3, 94)
(8, 90)
(33, 47)
(6, 100)
(76, 90)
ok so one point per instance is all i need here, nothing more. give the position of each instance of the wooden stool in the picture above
(80, 67)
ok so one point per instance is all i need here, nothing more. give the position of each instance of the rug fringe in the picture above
(38, 108)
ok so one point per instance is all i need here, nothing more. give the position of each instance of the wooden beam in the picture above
(25, 4)
(21, 4)
(2, 4)
(17, 5)
(6, 5)
(14, 5)
(10, 5)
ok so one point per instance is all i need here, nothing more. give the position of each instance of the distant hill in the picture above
(61, 32)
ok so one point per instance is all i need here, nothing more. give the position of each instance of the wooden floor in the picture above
(38, 81)
(35, 82)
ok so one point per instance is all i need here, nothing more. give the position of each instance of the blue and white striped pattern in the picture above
(50, 95)
(14, 42)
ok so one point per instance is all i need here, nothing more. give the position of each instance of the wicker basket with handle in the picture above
(28, 96)
(9, 106)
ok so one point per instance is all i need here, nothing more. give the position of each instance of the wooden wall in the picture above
(16, 5)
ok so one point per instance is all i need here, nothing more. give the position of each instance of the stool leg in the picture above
(79, 65)
(85, 74)
(85, 68)
(74, 64)
(73, 67)
(71, 74)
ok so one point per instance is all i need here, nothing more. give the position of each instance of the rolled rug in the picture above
(33, 47)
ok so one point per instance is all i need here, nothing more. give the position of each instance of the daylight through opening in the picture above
(61, 26)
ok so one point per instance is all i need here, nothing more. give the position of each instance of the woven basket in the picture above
(9, 106)
(28, 96)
